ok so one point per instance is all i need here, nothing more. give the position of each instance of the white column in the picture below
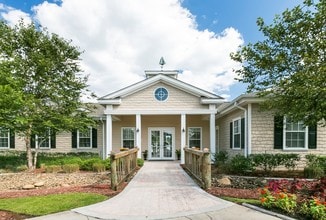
(108, 135)
(138, 134)
(212, 134)
(183, 137)
(249, 128)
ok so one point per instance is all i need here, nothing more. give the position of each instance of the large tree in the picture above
(40, 84)
(289, 66)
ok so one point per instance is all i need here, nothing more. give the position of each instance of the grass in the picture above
(43, 205)
(240, 201)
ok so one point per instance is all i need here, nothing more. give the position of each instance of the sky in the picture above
(123, 38)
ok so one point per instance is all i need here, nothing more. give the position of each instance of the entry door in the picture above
(161, 142)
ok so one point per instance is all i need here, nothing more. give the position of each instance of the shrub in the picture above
(268, 162)
(98, 167)
(220, 158)
(140, 162)
(107, 163)
(21, 168)
(70, 168)
(315, 166)
(241, 165)
(88, 163)
(313, 171)
(53, 168)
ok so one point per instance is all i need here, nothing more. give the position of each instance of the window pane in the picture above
(194, 137)
(236, 141)
(128, 137)
(4, 138)
(236, 126)
(85, 138)
(295, 133)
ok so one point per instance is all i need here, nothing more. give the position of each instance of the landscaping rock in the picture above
(225, 181)
(39, 184)
(28, 187)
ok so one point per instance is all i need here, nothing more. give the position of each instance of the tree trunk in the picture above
(35, 159)
(29, 154)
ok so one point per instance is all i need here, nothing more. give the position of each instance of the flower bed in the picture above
(299, 198)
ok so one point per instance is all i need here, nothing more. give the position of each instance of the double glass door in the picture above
(161, 142)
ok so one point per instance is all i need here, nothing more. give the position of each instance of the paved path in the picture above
(161, 190)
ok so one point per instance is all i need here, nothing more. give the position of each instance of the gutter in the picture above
(246, 128)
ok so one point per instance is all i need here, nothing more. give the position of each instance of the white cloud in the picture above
(12, 15)
(121, 39)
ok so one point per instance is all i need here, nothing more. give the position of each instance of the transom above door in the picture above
(161, 143)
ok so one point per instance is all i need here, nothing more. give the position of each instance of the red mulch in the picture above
(236, 193)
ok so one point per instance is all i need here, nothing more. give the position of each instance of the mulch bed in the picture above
(236, 193)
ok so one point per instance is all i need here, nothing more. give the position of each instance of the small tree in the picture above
(40, 84)
(288, 66)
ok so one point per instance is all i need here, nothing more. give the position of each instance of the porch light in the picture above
(183, 130)
(137, 130)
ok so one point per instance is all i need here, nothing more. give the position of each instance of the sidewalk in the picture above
(161, 190)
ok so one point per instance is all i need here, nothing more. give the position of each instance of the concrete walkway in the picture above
(161, 190)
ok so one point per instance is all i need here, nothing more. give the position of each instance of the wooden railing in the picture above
(123, 164)
(198, 163)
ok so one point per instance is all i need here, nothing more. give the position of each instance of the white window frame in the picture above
(201, 136)
(8, 138)
(49, 140)
(132, 128)
(239, 133)
(284, 137)
(91, 139)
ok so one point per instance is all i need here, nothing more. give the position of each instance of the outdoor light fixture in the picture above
(183, 130)
(137, 130)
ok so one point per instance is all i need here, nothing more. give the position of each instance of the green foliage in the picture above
(239, 164)
(53, 168)
(313, 209)
(44, 205)
(268, 162)
(220, 158)
(140, 162)
(88, 163)
(40, 83)
(52, 161)
(288, 66)
(12, 159)
(316, 166)
(313, 172)
(70, 168)
(98, 167)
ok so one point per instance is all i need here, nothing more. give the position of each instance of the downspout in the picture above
(246, 127)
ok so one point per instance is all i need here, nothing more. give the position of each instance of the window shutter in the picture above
(53, 139)
(12, 139)
(231, 134)
(33, 141)
(74, 139)
(94, 138)
(242, 133)
(278, 132)
(312, 137)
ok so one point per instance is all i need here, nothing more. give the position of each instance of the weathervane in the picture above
(162, 62)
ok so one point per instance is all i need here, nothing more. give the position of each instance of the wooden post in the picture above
(114, 177)
(206, 170)
(127, 160)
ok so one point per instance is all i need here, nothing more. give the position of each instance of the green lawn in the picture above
(240, 201)
(43, 205)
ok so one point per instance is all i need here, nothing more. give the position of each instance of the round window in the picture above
(161, 94)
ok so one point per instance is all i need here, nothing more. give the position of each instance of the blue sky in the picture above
(213, 23)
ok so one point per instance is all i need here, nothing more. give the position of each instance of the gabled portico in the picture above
(163, 114)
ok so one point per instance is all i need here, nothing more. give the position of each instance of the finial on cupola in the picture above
(162, 62)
